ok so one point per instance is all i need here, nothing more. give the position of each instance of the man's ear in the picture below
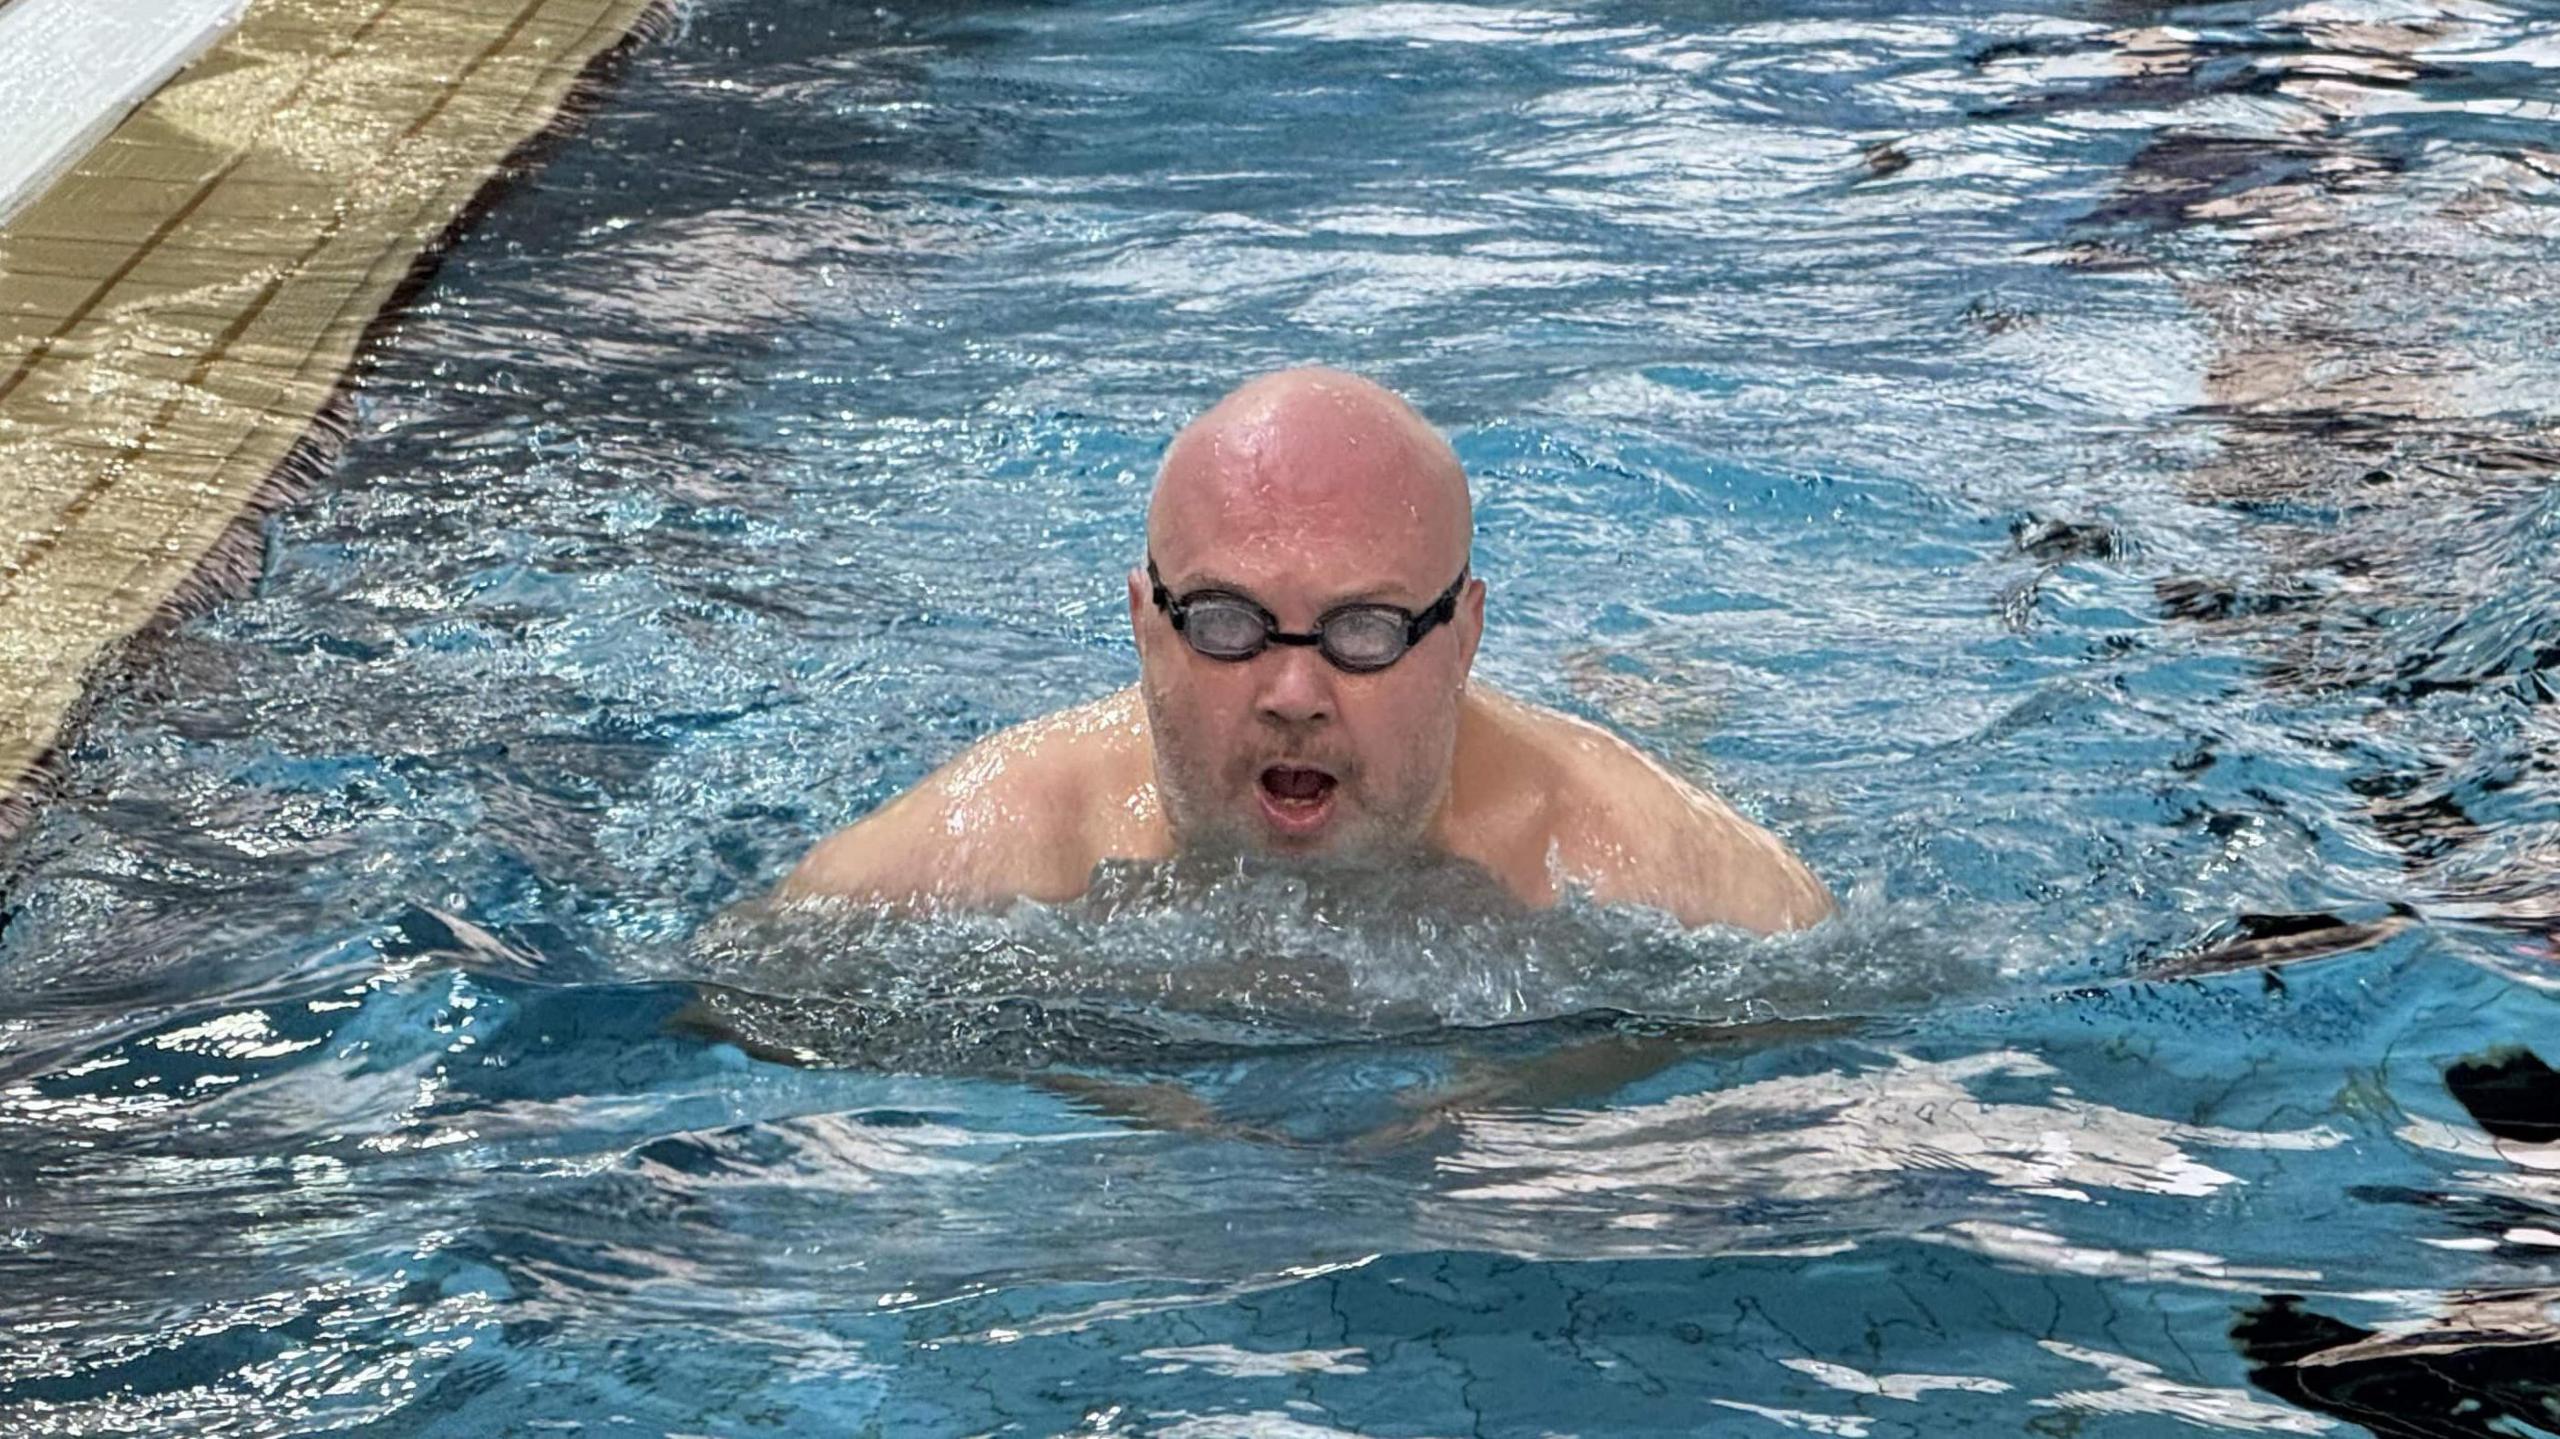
(1471, 620)
(1141, 595)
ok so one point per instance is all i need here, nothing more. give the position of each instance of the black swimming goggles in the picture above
(1357, 638)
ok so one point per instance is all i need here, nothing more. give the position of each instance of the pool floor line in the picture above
(183, 312)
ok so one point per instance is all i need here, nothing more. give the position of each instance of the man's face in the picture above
(1283, 752)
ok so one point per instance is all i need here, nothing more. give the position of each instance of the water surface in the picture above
(2080, 471)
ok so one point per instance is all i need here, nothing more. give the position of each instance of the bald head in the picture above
(1305, 493)
(1312, 458)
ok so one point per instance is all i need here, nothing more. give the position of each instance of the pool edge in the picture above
(220, 500)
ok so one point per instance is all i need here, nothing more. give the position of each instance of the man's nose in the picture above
(1297, 686)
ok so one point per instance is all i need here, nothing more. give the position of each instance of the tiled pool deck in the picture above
(179, 309)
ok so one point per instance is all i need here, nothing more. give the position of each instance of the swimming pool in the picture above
(2082, 472)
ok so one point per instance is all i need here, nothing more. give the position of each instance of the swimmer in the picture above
(1306, 621)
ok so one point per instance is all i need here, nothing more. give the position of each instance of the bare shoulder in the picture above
(1627, 829)
(1024, 813)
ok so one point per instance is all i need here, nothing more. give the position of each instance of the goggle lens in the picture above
(1224, 629)
(1363, 639)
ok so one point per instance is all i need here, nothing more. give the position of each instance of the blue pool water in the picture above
(2082, 471)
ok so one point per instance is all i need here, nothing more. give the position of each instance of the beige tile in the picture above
(24, 254)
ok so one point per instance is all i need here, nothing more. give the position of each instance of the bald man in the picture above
(1306, 623)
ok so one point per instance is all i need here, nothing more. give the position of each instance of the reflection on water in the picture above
(2471, 1361)
(1827, 1137)
(2378, 298)
(2484, 1368)
(2081, 471)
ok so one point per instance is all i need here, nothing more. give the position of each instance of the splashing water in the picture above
(1157, 956)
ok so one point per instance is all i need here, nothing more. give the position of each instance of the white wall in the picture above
(71, 69)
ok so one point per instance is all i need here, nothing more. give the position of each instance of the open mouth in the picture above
(1296, 798)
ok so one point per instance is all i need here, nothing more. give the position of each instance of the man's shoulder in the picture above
(1619, 823)
(1582, 770)
(1023, 812)
(1596, 788)
(1042, 774)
